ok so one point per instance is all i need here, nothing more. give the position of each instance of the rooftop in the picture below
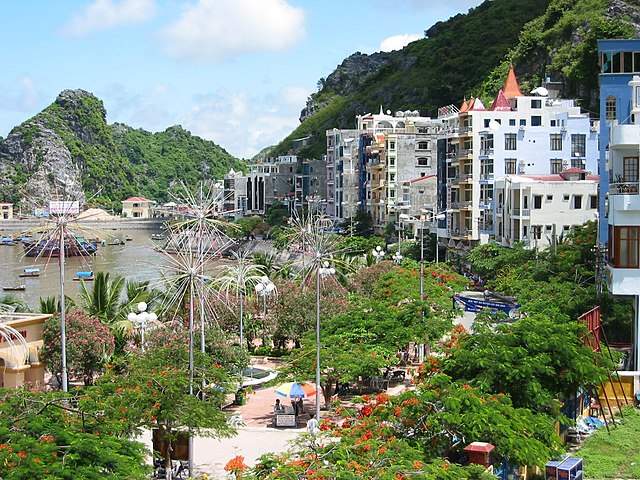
(137, 199)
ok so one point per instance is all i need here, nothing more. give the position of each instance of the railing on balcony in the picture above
(461, 204)
(486, 227)
(486, 176)
(464, 152)
(624, 188)
(520, 212)
(486, 152)
(460, 232)
(465, 177)
(465, 129)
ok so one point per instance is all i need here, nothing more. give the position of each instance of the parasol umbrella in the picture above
(296, 390)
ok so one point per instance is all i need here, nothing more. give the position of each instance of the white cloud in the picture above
(295, 97)
(398, 42)
(105, 14)
(21, 96)
(240, 123)
(218, 29)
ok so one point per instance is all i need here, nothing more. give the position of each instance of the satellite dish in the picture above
(493, 125)
(388, 112)
(541, 91)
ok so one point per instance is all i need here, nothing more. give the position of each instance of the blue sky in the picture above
(233, 71)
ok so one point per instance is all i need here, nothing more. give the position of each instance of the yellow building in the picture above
(136, 207)
(20, 346)
(6, 211)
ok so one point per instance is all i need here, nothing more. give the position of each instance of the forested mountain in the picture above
(70, 148)
(469, 55)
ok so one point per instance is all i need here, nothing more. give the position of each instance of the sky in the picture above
(233, 71)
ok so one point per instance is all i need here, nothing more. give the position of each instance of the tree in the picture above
(276, 214)
(537, 360)
(89, 345)
(53, 435)
(153, 392)
(362, 224)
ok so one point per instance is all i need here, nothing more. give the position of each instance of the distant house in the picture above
(6, 211)
(136, 207)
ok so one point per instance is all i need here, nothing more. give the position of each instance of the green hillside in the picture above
(468, 55)
(70, 147)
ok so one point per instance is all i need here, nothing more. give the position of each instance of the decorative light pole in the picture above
(378, 253)
(141, 319)
(264, 288)
(325, 269)
(434, 216)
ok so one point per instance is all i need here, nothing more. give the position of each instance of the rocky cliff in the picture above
(69, 148)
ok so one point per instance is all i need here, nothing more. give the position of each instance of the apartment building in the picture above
(367, 166)
(517, 134)
(619, 162)
(539, 210)
(234, 203)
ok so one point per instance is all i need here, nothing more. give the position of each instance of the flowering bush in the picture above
(90, 344)
(236, 466)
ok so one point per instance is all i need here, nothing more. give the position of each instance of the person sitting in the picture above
(278, 407)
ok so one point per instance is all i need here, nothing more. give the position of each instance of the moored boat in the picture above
(14, 288)
(30, 272)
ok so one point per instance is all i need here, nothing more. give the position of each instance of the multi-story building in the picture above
(619, 162)
(367, 167)
(288, 179)
(517, 135)
(6, 211)
(539, 210)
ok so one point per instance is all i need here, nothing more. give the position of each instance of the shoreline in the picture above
(120, 224)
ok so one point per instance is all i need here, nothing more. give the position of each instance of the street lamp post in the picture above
(323, 270)
(378, 253)
(264, 288)
(141, 319)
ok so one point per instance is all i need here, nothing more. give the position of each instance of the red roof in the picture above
(483, 447)
(574, 170)
(472, 102)
(136, 199)
(501, 104)
(556, 178)
(478, 105)
(511, 86)
(464, 107)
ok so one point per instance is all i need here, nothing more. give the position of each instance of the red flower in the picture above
(236, 465)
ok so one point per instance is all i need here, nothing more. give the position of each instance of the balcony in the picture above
(465, 178)
(486, 152)
(520, 212)
(485, 204)
(461, 204)
(486, 178)
(624, 136)
(460, 233)
(624, 188)
(465, 153)
(465, 129)
(486, 228)
(623, 281)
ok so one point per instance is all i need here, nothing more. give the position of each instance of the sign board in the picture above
(286, 420)
(64, 207)
(477, 305)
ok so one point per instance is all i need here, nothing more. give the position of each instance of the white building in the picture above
(517, 135)
(538, 210)
(367, 166)
(234, 204)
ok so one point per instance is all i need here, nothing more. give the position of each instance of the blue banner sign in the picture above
(471, 304)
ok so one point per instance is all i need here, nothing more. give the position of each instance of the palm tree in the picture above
(268, 262)
(239, 279)
(51, 305)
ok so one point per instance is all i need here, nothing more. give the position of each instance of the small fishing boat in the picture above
(128, 238)
(157, 236)
(83, 276)
(7, 241)
(115, 241)
(30, 272)
(15, 288)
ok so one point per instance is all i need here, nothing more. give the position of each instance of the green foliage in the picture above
(615, 454)
(358, 245)
(253, 225)
(490, 259)
(536, 360)
(561, 43)
(90, 344)
(47, 436)
(277, 214)
(429, 73)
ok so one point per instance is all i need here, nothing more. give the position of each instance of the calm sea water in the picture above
(136, 260)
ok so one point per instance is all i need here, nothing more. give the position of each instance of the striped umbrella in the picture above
(296, 390)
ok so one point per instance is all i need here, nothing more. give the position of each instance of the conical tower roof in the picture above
(478, 105)
(472, 102)
(511, 86)
(465, 106)
(501, 104)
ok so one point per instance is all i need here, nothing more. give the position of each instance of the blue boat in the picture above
(30, 272)
(7, 241)
(84, 276)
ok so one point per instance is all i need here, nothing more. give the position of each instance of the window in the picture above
(577, 202)
(565, 198)
(486, 122)
(536, 103)
(392, 145)
(625, 242)
(424, 161)
(616, 62)
(610, 107)
(549, 198)
(423, 146)
(537, 231)
(553, 123)
(630, 169)
(510, 166)
(512, 122)
(578, 144)
(537, 202)
(536, 121)
(523, 122)
(509, 141)
(548, 228)
(555, 140)
(392, 177)
(593, 202)
(392, 161)
(556, 165)
(392, 193)
(577, 163)
(627, 62)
